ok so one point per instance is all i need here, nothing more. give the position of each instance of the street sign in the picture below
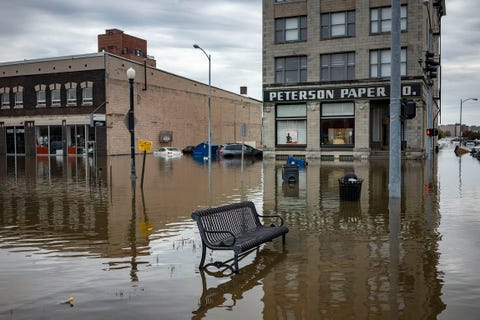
(243, 130)
(145, 145)
(97, 120)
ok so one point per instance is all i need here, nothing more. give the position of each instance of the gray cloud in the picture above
(460, 61)
(230, 30)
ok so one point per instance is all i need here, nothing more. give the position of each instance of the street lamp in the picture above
(131, 124)
(196, 46)
(461, 104)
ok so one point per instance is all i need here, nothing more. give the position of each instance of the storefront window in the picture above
(41, 133)
(76, 139)
(337, 124)
(291, 124)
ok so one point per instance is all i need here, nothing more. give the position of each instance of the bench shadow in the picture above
(233, 290)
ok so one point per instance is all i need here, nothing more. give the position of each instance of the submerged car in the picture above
(231, 150)
(167, 152)
(188, 149)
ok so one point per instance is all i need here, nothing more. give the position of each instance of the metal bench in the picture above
(235, 227)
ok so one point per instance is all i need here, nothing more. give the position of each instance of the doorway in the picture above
(379, 125)
(15, 140)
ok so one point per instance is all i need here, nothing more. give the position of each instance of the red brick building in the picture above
(115, 41)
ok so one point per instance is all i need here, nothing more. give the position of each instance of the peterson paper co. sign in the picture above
(338, 93)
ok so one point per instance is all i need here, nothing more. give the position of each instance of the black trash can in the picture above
(350, 187)
(290, 173)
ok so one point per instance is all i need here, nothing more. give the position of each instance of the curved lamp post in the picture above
(196, 46)
(131, 124)
(461, 104)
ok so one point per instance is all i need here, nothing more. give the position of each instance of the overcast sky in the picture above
(229, 30)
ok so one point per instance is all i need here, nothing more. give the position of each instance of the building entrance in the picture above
(15, 140)
(379, 125)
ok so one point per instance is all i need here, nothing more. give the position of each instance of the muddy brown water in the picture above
(78, 229)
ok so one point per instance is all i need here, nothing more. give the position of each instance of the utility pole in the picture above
(395, 171)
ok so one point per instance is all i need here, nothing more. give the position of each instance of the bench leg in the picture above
(204, 252)
(235, 268)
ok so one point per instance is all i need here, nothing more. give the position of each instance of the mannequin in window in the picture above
(339, 137)
(289, 138)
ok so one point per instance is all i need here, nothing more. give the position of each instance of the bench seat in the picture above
(235, 227)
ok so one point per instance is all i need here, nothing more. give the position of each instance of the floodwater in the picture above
(78, 240)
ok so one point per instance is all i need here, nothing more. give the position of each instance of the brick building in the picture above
(73, 104)
(124, 45)
(326, 76)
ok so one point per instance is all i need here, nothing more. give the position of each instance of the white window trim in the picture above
(71, 101)
(6, 104)
(56, 102)
(87, 100)
(18, 103)
(41, 103)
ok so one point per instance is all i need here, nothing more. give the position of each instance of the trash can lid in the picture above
(350, 175)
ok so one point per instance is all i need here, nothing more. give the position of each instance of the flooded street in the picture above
(79, 241)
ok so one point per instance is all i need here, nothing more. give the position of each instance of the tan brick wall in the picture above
(290, 9)
(177, 104)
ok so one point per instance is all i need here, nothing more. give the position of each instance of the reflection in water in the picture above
(251, 276)
(345, 260)
(77, 227)
(132, 235)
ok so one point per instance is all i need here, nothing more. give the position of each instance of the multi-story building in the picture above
(74, 104)
(326, 76)
(453, 130)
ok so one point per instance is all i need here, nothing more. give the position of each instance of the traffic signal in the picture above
(432, 132)
(409, 109)
(430, 65)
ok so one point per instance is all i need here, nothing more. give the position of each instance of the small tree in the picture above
(471, 135)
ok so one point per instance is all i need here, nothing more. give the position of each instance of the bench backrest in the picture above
(235, 218)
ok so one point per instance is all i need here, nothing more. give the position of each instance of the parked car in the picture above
(230, 150)
(188, 149)
(475, 150)
(167, 152)
(470, 144)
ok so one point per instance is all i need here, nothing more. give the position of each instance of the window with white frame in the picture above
(381, 19)
(18, 97)
(55, 95)
(41, 98)
(337, 124)
(337, 24)
(41, 95)
(87, 92)
(71, 96)
(55, 98)
(290, 29)
(337, 66)
(87, 95)
(5, 98)
(291, 124)
(381, 62)
(71, 89)
(291, 69)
